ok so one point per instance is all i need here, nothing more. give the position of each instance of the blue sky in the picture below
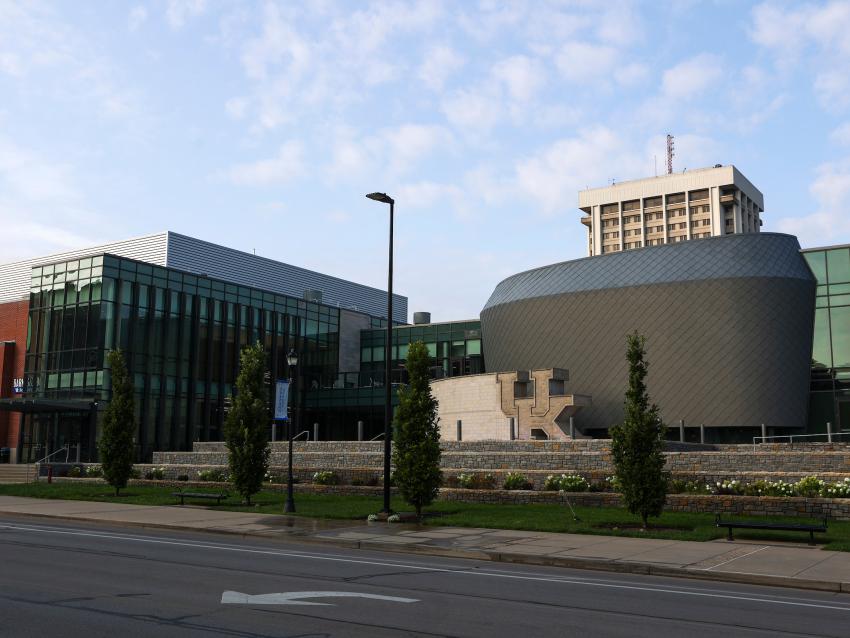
(262, 125)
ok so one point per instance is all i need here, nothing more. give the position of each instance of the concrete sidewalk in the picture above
(787, 565)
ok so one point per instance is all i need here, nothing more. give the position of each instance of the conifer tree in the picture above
(416, 452)
(116, 444)
(245, 426)
(638, 443)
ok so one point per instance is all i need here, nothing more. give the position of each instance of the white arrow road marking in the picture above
(295, 597)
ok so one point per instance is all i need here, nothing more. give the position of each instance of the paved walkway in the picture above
(789, 565)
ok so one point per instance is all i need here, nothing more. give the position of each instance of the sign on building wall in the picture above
(281, 400)
(18, 386)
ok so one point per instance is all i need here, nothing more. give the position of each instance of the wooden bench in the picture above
(218, 497)
(811, 528)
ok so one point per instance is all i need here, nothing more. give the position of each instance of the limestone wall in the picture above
(474, 400)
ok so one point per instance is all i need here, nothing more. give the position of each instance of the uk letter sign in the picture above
(281, 400)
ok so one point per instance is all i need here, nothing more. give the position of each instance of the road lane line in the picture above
(479, 573)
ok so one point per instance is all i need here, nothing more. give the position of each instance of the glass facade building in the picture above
(830, 384)
(181, 334)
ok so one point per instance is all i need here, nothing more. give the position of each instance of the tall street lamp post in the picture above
(292, 363)
(388, 384)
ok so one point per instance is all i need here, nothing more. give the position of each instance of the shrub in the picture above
(599, 486)
(245, 425)
(94, 471)
(566, 483)
(272, 478)
(471, 481)
(182, 477)
(841, 489)
(75, 472)
(416, 437)
(214, 475)
(614, 483)
(374, 480)
(326, 477)
(135, 473)
(810, 486)
(733, 488)
(357, 482)
(637, 444)
(516, 481)
(155, 473)
(116, 446)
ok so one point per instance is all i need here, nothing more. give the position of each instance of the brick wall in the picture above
(13, 328)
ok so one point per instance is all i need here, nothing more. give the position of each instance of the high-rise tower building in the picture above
(670, 208)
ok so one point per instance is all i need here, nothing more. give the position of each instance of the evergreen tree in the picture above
(245, 425)
(416, 452)
(116, 444)
(638, 443)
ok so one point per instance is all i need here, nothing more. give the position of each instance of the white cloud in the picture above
(178, 12)
(841, 135)
(692, 77)
(441, 61)
(552, 177)
(522, 76)
(813, 36)
(833, 88)
(33, 187)
(584, 62)
(138, 16)
(631, 74)
(472, 109)
(236, 107)
(287, 165)
(829, 222)
(394, 150)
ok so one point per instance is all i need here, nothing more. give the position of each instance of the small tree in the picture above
(416, 453)
(245, 425)
(119, 426)
(638, 443)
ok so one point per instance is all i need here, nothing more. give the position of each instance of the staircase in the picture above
(16, 473)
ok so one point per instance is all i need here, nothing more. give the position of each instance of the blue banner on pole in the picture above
(281, 400)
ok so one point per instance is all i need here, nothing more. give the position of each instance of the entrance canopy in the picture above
(35, 406)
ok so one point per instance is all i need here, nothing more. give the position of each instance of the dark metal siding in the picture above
(729, 336)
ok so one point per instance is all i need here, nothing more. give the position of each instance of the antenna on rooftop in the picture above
(670, 154)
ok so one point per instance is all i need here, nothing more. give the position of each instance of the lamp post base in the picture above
(289, 506)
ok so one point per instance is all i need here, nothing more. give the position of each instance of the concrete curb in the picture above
(423, 549)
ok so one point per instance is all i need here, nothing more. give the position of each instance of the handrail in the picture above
(307, 432)
(375, 438)
(66, 449)
(791, 437)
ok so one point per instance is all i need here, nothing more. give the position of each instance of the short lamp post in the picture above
(388, 383)
(292, 363)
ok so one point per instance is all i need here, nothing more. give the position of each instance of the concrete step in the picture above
(10, 474)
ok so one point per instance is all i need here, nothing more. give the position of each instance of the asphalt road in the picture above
(71, 580)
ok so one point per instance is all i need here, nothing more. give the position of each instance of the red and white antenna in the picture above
(670, 154)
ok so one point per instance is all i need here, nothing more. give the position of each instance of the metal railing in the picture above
(829, 436)
(66, 449)
(375, 438)
(307, 438)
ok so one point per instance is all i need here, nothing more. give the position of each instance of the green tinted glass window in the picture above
(432, 349)
(817, 262)
(839, 300)
(366, 355)
(820, 347)
(378, 353)
(473, 346)
(840, 323)
(838, 265)
(402, 351)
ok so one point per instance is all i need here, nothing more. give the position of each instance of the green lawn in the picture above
(544, 518)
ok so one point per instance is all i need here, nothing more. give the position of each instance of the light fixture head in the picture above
(292, 357)
(381, 197)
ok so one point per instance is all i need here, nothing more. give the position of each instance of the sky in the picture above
(262, 125)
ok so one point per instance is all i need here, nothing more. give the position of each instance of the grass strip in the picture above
(604, 521)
